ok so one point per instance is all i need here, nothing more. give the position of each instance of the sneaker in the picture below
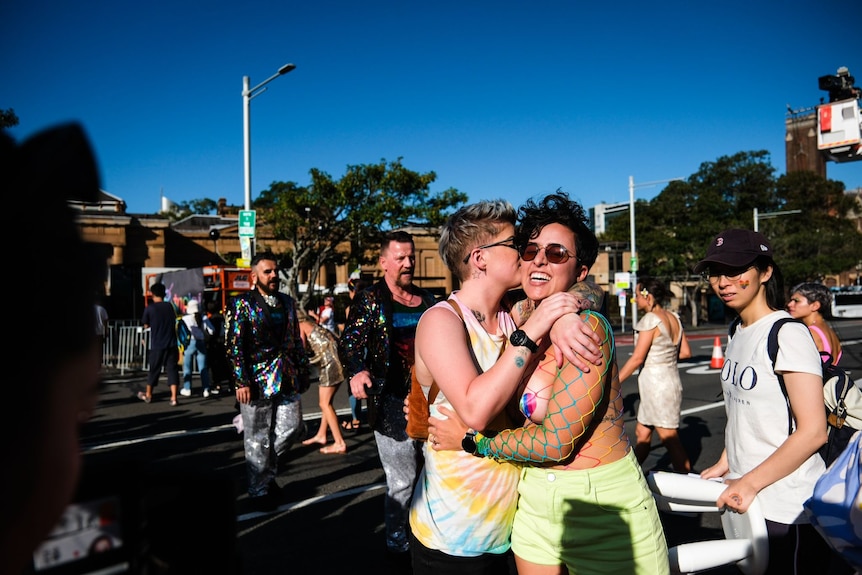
(143, 397)
(215, 390)
(186, 392)
(173, 403)
(206, 393)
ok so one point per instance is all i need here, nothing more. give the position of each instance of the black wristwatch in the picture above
(520, 338)
(468, 444)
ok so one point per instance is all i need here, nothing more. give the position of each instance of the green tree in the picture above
(674, 228)
(8, 118)
(337, 221)
(183, 210)
(819, 240)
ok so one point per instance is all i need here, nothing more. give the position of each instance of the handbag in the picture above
(835, 508)
(419, 405)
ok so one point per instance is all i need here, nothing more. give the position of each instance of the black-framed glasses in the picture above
(710, 275)
(556, 253)
(507, 243)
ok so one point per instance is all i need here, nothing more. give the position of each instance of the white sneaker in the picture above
(186, 392)
(206, 393)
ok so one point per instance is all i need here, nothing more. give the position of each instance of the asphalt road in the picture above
(180, 473)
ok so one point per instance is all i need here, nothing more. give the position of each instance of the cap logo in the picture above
(763, 248)
(719, 242)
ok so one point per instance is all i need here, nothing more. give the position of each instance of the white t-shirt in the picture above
(757, 416)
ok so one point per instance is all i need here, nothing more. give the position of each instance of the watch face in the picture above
(520, 338)
(468, 444)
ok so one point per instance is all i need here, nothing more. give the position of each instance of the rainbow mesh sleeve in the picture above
(577, 399)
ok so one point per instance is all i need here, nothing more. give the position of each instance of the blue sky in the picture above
(501, 99)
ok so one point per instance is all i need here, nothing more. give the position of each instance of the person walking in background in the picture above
(325, 314)
(661, 342)
(762, 458)
(220, 371)
(41, 440)
(377, 350)
(354, 286)
(160, 318)
(324, 347)
(584, 505)
(812, 303)
(201, 330)
(270, 372)
(101, 327)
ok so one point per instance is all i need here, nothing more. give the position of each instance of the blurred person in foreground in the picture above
(661, 342)
(584, 505)
(40, 440)
(271, 372)
(377, 352)
(812, 303)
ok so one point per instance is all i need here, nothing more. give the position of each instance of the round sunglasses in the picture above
(556, 253)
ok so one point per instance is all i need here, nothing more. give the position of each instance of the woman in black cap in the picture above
(762, 457)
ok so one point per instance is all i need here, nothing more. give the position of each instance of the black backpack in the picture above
(836, 384)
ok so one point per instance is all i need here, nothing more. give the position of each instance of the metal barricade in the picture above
(132, 345)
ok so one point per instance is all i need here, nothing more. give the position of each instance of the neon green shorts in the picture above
(602, 520)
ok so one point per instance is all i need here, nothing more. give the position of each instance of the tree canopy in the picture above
(674, 228)
(337, 221)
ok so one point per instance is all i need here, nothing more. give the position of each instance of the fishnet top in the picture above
(583, 427)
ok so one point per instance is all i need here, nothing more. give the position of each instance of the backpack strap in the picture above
(772, 350)
(733, 325)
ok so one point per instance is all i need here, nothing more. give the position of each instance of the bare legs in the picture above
(670, 440)
(328, 422)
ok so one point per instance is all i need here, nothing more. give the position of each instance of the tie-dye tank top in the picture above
(464, 505)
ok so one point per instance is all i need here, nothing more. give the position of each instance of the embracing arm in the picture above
(572, 340)
(442, 354)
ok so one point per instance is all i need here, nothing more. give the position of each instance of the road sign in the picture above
(622, 282)
(246, 223)
(633, 263)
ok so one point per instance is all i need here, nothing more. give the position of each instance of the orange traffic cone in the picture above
(717, 360)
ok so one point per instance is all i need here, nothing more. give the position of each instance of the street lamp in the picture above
(767, 215)
(633, 281)
(247, 95)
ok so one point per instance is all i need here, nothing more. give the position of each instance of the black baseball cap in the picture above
(735, 249)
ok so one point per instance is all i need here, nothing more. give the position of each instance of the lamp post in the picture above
(767, 215)
(247, 95)
(633, 264)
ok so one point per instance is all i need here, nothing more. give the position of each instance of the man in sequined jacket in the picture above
(377, 349)
(270, 369)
